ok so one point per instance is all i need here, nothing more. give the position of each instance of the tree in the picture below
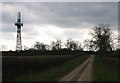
(68, 44)
(72, 45)
(88, 45)
(56, 45)
(39, 46)
(25, 48)
(102, 38)
(53, 46)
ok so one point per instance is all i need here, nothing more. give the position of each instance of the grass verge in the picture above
(102, 72)
(54, 73)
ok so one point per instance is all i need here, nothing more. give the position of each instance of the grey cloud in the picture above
(70, 15)
(8, 36)
(73, 34)
(8, 28)
(74, 14)
(29, 35)
(60, 1)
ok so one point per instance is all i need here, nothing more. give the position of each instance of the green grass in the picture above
(102, 72)
(54, 73)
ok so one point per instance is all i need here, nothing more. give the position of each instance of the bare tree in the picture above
(68, 44)
(25, 47)
(102, 40)
(72, 45)
(89, 45)
(56, 45)
(39, 46)
(53, 45)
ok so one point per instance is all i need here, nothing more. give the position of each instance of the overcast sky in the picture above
(46, 22)
(60, 0)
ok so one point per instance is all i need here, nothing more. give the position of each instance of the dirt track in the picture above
(82, 73)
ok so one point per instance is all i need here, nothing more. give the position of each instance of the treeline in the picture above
(45, 53)
(112, 54)
(70, 44)
(70, 47)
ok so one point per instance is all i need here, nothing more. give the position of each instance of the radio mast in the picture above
(18, 24)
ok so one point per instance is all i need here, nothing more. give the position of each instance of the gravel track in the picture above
(81, 73)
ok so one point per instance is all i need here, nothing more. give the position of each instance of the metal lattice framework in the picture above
(19, 24)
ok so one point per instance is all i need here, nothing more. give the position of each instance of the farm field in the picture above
(106, 69)
(54, 73)
(15, 66)
(73, 67)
